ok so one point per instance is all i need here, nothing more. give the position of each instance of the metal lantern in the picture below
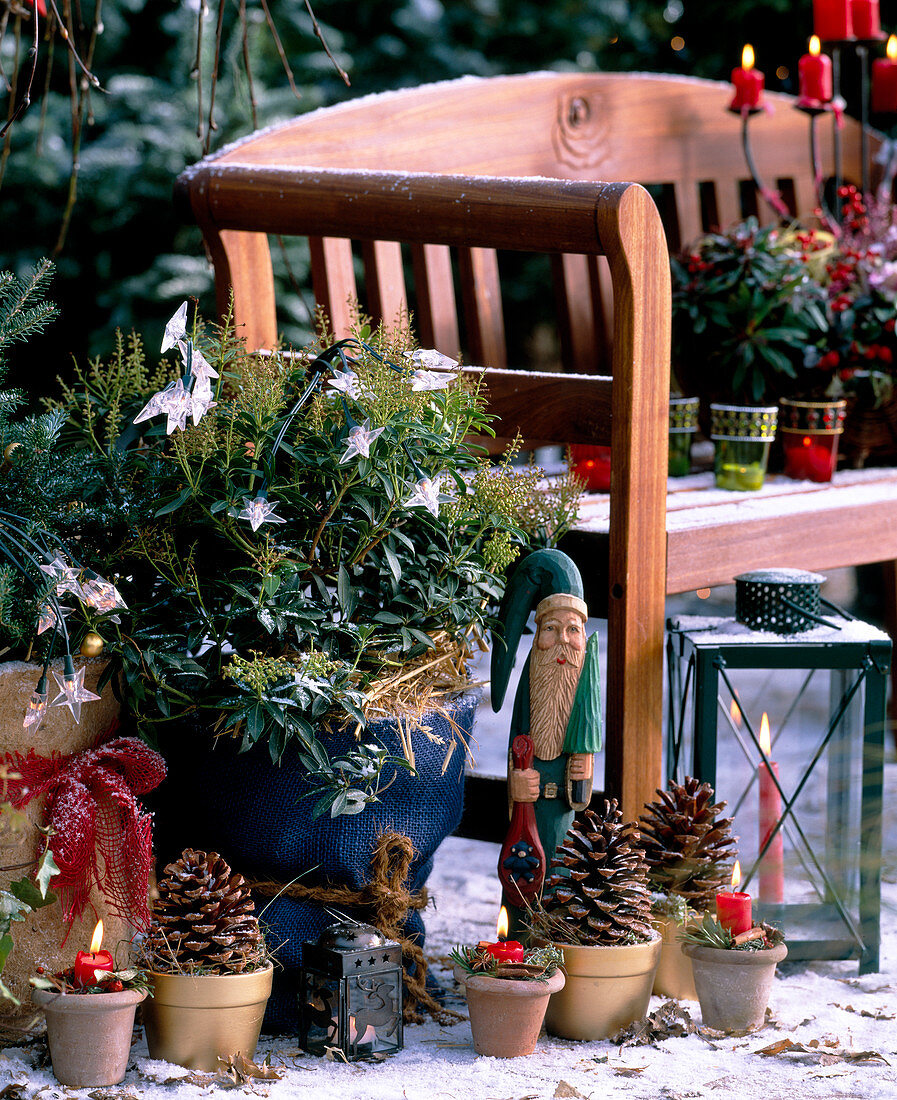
(350, 995)
(807, 798)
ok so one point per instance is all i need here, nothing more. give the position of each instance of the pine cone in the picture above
(202, 920)
(600, 896)
(688, 850)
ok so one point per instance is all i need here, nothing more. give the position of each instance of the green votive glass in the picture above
(740, 464)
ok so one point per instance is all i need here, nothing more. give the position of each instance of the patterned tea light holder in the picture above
(742, 435)
(683, 424)
(809, 432)
(350, 993)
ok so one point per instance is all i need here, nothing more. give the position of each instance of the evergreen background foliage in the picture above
(127, 259)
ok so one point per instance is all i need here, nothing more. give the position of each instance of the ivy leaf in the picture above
(46, 869)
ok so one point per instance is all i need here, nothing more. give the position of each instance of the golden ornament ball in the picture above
(92, 646)
(9, 451)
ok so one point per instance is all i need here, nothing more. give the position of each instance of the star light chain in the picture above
(178, 402)
(68, 577)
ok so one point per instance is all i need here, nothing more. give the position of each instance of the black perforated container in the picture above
(782, 601)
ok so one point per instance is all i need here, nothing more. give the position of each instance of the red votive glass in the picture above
(810, 456)
(591, 464)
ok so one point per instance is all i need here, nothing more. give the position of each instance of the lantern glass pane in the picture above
(319, 1001)
(374, 1014)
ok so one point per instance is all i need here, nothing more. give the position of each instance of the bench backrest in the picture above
(672, 134)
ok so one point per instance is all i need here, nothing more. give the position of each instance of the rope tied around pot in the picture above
(387, 898)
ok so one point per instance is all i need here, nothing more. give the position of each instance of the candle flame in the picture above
(502, 927)
(735, 712)
(736, 875)
(815, 45)
(765, 743)
(97, 939)
(747, 57)
(891, 48)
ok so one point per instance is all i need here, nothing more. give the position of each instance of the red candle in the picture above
(505, 950)
(91, 965)
(884, 80)
(831, 20)
(733, 909)
(772, 866)
(866, 19)
(748, 83)
(814, 71)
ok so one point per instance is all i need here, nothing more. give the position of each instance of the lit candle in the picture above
(866, 19)
(91, 966)
(814, 72)
(505, 950)
(733, 909)
(772, 870)
(748, 83)
(884, 80)
(831, 20)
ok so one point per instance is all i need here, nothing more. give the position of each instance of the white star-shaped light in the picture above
(360, 439)
(72, 693)
(36, 709)
(47, 618)
(102, 595)
(347, 382)
(153, 407)
(201, 398)
(426, 495)
(431, 359)
(64, 576)
(199, 365)
(429, 380)
(178, 406)
(259, 511)
(176, 328)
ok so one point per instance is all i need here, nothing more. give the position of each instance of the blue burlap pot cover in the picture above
(254, 813)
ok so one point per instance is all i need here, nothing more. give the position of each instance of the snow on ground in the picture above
(821, 1002)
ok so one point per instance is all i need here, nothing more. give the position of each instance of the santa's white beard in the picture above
(552, 687)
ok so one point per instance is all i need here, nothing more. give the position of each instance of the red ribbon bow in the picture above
(100, 835)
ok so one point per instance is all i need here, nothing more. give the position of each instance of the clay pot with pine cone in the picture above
(210, 968)
(597, 909)
(689, 850)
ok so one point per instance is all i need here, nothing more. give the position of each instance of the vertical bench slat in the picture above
(576, 312)
(481, 299)
(333, 280)
(728, 202)
(384, 279)
(688, 212)
(243, 262)
(436, 313)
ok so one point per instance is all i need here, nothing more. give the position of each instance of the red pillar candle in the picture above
(748, 83)
(884, 80)
(772, 863)
(91, 965)
(733, 909)
(866, 19)
(814, 72)
(505, 950)
(832, 20)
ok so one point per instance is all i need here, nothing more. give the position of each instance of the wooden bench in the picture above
(433, 184)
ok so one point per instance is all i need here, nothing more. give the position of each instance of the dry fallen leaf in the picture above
(244, 1069)
(565, 1089)
(880, 1014)
(814, 1053)
(670, 1021)
(628, 1071)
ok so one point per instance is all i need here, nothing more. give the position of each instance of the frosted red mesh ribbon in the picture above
(101, 836)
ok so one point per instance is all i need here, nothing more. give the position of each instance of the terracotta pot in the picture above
(89, 1034)
(733, 986)
(674, 977)
(194, 1020)
(607, 988)
(506, 1015)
